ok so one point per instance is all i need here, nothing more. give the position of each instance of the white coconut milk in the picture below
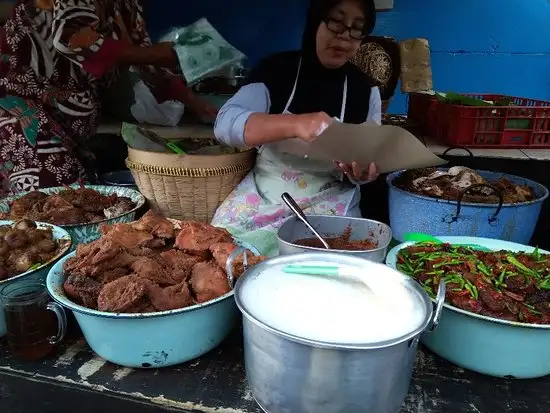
(333, 309)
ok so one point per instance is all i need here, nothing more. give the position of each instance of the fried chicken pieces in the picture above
(68, 207)
(151, 265)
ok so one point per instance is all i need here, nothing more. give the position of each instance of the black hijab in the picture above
(319, 89)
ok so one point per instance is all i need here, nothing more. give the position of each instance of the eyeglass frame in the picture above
(345, 28)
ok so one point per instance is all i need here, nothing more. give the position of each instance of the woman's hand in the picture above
(158, 54)
(202, 108)
(358, 174)
(310, 125)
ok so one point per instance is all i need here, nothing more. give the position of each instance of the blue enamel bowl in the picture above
(410, 212)
(39, 273)
(85, 233)
(149, 340)
(483, 344)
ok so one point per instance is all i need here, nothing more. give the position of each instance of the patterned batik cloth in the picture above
(54, 58)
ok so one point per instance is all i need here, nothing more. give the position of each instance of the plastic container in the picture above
(525, 124)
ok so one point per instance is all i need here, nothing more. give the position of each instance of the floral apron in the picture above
(254, 211)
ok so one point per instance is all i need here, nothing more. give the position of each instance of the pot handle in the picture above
(497, 191)
(438, 307)
(229, 264)
(457, 147)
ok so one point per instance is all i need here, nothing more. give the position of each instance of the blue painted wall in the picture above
(500, 46)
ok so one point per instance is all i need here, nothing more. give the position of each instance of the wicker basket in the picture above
(188, 187)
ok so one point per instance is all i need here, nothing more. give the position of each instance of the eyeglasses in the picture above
(339, 27)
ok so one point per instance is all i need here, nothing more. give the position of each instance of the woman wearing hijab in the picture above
(55, 57)
(291, 98)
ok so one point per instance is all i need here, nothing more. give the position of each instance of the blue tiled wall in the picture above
(500, 46)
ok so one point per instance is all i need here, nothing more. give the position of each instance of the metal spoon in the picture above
(291, 203)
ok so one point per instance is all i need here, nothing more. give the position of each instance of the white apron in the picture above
(254, 211)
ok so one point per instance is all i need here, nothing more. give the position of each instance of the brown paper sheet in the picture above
(391, 148)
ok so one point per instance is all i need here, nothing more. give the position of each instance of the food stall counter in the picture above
(74, 379)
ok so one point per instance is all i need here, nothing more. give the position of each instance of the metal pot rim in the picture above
(426, 302)
(393, 175)
(347, 252)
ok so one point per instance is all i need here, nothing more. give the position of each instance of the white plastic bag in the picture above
(146, 109)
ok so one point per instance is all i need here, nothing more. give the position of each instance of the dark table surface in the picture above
(74, 379)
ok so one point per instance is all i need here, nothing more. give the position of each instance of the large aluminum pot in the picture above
(330, 226)
(288, 372)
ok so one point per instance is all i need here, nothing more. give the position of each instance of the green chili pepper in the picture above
(512, 260)
(500, 278)
(435, 272)
(472, 289)
(481, 267)
(442, 264)
(545, 284)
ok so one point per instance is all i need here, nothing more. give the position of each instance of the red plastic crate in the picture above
(524, 125)
(421, 108)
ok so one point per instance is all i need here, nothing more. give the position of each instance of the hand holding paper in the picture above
(357, 173)
(311, 125)
(389, 147)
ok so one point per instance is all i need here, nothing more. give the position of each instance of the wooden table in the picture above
(75, 380)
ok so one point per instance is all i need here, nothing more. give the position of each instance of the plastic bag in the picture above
(201, 50)
(146, 109)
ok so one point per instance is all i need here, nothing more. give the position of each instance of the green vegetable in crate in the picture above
(457, 99)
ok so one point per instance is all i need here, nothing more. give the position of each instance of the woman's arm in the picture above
(244, 120)
(75, 36)
(164, 84)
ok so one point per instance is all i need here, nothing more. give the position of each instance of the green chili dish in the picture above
(512, 286)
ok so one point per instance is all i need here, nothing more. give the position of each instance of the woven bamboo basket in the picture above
(188, 187)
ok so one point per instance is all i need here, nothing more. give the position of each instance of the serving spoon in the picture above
(295, 208)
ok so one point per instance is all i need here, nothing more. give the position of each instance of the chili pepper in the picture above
(442, 264)
(522, 267)
(500, 278)
(435, 272)
(532, 309)
(545, 284)
(481, 267)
